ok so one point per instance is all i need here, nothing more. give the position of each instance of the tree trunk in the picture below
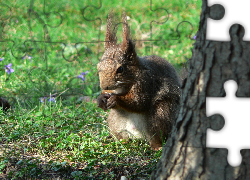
(185, 155)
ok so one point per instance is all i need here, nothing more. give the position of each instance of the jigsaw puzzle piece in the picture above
(4, 17)
(5, 11)
(93, 12)
(10, 27)
(162, 17)
(232, 12)
(165, 32)
(19, 30)
(235, 111)
(245, 153)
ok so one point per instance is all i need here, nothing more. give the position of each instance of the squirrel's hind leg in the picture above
(162, 120)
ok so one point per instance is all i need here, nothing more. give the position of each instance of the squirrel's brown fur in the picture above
(143, 93)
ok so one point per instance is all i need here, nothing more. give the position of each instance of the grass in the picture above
(54, 128)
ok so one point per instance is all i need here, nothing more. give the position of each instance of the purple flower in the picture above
(27, 57)
(42, 99)
(52, 99)
(82, 75)
(194, 37)
(8, 68)
(1, 59)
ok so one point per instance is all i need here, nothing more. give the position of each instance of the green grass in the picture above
(69, 138)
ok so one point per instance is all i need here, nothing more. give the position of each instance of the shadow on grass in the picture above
(33, 166)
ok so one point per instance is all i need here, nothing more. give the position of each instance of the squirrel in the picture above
(4, 104)
(142, 93)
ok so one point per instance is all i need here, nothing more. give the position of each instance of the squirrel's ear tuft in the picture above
(127, 44)
(130, 51)
(126, 37)
(110, 38)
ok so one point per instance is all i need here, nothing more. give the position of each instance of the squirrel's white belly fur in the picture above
(136, 125)
(128, 124)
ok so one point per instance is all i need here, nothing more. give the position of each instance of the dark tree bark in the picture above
(185, 155)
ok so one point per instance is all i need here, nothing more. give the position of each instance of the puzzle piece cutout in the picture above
(228, 12)
(235, 134)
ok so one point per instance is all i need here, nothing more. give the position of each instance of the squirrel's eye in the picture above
(119, 70)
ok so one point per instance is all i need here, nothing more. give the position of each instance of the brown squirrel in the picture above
(4, 104)
(143, 93)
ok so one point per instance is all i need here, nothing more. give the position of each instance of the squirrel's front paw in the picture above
(102, 101)
(111, 102)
